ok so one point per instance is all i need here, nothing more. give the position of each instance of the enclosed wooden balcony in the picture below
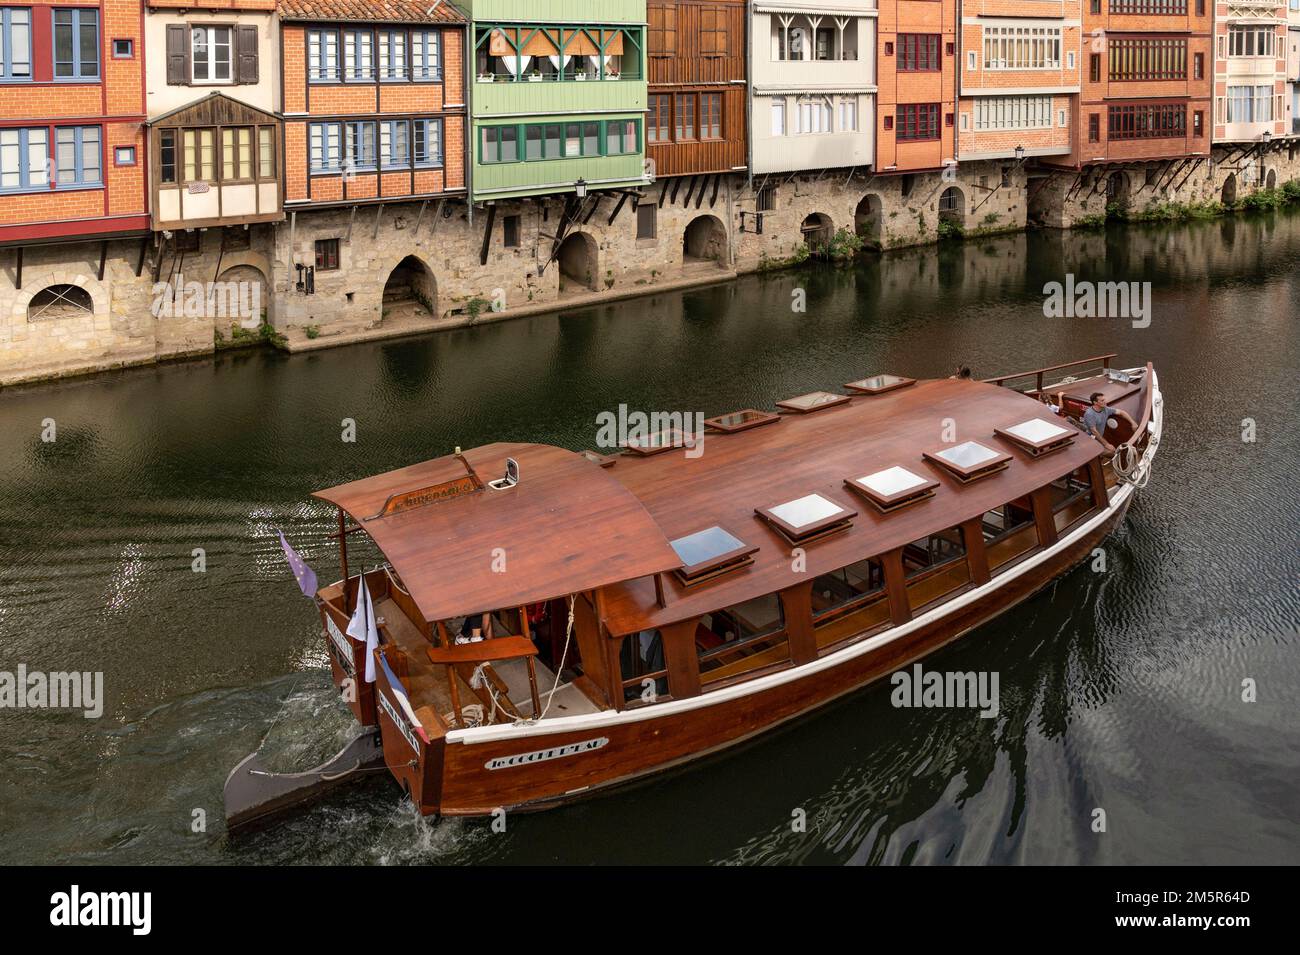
(215, 162)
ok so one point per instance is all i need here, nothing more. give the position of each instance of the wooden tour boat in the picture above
(640, 610)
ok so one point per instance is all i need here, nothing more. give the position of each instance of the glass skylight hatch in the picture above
(806, 516)
(710, 552)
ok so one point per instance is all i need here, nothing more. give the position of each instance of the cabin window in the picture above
(643, 668)
(1009, 532)
(934, 567)
(846, 589)
(1071, 497)
(742, 638)
(167, 155)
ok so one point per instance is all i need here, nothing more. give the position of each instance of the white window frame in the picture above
(209, 35)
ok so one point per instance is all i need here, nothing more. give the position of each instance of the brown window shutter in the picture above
(178, 55)
(246, 50)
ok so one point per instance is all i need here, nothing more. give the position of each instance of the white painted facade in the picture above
(814, 84)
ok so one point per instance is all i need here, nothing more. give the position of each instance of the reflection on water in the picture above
(1119, 691)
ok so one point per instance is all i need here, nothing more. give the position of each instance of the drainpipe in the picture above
(470, 52)
(749, 94)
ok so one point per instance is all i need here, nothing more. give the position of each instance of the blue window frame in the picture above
(77, 157)
(426, 56)
(24, 159)
(427, 136)
(323, 56)
(358, 56)
(15, 44)
(392, 55)
(394, 146)
(76, 44)
(325, 147)
(359, 146)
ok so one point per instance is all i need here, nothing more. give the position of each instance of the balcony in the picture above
(217, 162)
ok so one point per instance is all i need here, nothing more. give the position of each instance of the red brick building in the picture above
(1146, 88)
(73, 162)
(916, 68)
(373, 101)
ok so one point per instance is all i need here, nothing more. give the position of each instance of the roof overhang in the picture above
(567, 526)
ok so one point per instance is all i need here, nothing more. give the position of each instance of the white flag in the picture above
(363, 627)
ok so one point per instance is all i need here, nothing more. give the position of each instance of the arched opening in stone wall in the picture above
(1270, 181)
(1044, 201)
(579, 260)
(868, 219)
(704, 242)
(1229, 194)
(952, 206)
(60, 301)
(1117, 190)
(240, 296)
(411, 290)
(818, 230)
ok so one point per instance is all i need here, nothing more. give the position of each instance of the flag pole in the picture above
(343, 557)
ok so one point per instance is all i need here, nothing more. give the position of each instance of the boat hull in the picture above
(471, 773)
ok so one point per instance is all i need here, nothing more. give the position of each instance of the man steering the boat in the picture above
(1097, 418)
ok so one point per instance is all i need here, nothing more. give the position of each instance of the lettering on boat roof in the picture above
(421, 497)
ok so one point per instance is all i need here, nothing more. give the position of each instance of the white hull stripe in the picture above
(592, 721)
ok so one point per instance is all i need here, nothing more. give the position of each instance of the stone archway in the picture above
(1270, 180)
(579, 261)
(243, 296)
(1229, 194)
(410, 290)
(818, 230)
(704, 241)
(952, 207)
(868, 218)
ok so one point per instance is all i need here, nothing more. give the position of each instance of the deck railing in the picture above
(1038, 373)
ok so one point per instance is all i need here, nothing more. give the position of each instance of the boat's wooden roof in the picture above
(567, 526)
(803, 454)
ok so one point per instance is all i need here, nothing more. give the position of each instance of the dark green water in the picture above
(1119, 691)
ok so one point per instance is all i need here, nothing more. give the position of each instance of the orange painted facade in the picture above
(916, 102)
(1124, 115)
(314, 109)
(66, 198)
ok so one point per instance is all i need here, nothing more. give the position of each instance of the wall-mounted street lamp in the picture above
(1020, 154)
(580, 187)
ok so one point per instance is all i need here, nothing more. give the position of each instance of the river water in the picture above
(1120, 691)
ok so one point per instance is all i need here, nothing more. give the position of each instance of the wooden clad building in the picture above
(696, 121)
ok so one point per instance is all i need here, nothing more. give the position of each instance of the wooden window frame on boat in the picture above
(801, 624)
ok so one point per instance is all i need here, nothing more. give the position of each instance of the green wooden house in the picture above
(557, 96)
